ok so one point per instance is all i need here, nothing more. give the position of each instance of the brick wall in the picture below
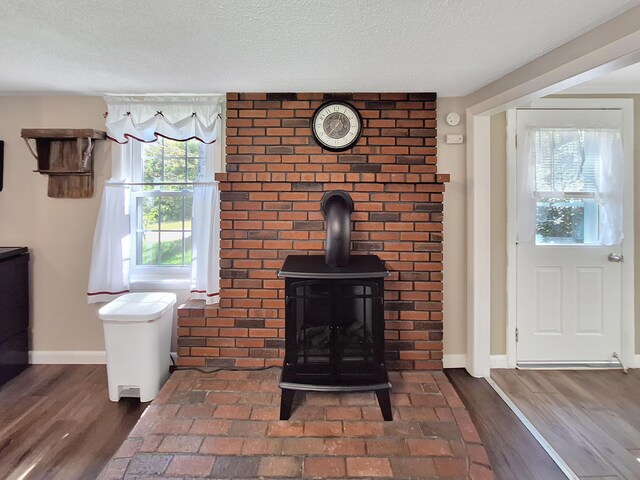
(276, 175)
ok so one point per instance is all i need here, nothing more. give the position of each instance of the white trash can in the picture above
(137, 337)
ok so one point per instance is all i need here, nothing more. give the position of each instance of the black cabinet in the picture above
(14, 312)
(334, 328)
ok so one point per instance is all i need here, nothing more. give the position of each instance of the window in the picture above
(159, 220)
(566, 186)
(163, 175)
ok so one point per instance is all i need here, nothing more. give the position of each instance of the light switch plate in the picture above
(455, 138)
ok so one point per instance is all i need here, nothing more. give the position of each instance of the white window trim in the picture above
(155, 277)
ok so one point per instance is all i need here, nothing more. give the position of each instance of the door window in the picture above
(570, 188)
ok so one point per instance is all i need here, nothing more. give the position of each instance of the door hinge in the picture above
(516, 334)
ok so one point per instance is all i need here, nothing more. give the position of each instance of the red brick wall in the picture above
(276, 175)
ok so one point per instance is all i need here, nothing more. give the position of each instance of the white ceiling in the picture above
(452, 47)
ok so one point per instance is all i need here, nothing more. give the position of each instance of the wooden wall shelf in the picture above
(66, 156)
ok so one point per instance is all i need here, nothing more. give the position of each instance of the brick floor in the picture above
(225, 425)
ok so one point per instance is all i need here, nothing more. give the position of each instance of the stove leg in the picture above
(385, 404)
(286, 402)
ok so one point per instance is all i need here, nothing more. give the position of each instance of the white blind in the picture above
(567, 160)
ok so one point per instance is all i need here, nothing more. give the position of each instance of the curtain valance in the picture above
(174, 117)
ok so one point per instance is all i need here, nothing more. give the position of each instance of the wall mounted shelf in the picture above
(66, 156)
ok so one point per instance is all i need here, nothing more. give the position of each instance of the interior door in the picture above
(568, 262)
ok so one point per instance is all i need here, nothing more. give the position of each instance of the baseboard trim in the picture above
(636, 362)
(67, 357)
(454, 360)
(498, 361)
(459, 360)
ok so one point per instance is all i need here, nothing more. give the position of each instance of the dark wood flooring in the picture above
(514, 452)
(56, 422)
(591, 418)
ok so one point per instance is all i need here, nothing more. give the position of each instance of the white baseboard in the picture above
(498, 361)
(67, 357)
(459, 360)
(455, 360)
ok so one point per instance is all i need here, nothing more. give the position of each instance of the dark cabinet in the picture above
(14, 312)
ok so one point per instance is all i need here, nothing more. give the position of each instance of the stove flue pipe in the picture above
(336, 207)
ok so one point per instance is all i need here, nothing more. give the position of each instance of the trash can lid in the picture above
(137, 307)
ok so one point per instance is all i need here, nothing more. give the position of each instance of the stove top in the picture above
(8, 252)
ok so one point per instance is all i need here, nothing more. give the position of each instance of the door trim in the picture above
(627, 326)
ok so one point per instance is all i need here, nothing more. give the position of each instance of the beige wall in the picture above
(451, 160)
(498, 224)
(58, 232)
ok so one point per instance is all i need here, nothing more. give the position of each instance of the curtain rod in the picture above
(159, 184)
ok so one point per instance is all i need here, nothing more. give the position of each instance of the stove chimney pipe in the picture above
(336, 207)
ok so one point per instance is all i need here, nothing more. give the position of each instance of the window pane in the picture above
(171, 161)
(565, 162)
(195, 160)
(164, 230)
(171, 248)
(566, 221)
(152, 160)
(150, 213)
(164, 221)
(187, 248)
(148, 242)
(188, 212)
(172, 213)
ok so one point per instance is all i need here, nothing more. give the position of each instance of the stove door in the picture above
(309, 329)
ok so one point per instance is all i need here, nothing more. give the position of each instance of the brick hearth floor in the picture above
(225, 425)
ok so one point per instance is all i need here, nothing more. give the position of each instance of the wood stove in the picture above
(334, 319)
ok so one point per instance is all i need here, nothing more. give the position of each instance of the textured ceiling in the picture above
(452, 47)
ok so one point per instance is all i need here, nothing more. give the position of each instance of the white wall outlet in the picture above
(455, 138)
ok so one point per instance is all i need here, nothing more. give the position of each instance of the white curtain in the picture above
(182, 118)
(205, 237)
(593, 165)
(609, 194)
(109, 270)
(526, 187)
(176, 118)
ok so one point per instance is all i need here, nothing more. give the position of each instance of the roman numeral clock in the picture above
(336, 126)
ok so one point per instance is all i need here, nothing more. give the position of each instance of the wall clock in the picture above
(336, 126)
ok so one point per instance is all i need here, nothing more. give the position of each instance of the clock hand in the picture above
(334, 126)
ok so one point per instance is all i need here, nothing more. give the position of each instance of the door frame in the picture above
(627, 321)
(609, 47)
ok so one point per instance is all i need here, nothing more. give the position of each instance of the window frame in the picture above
(156, 276)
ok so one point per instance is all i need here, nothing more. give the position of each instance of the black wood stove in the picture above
(334, 320)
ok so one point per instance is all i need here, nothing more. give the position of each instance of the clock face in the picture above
(336, 126)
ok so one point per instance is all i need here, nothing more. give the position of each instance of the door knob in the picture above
(614, 257)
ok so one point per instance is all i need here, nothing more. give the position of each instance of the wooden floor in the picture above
(56, 422)
(514, 452)
(591, 418)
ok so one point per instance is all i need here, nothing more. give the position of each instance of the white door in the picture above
(569, 207)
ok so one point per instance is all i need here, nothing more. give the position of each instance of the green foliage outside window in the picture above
(561, 218)
(164, 235)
